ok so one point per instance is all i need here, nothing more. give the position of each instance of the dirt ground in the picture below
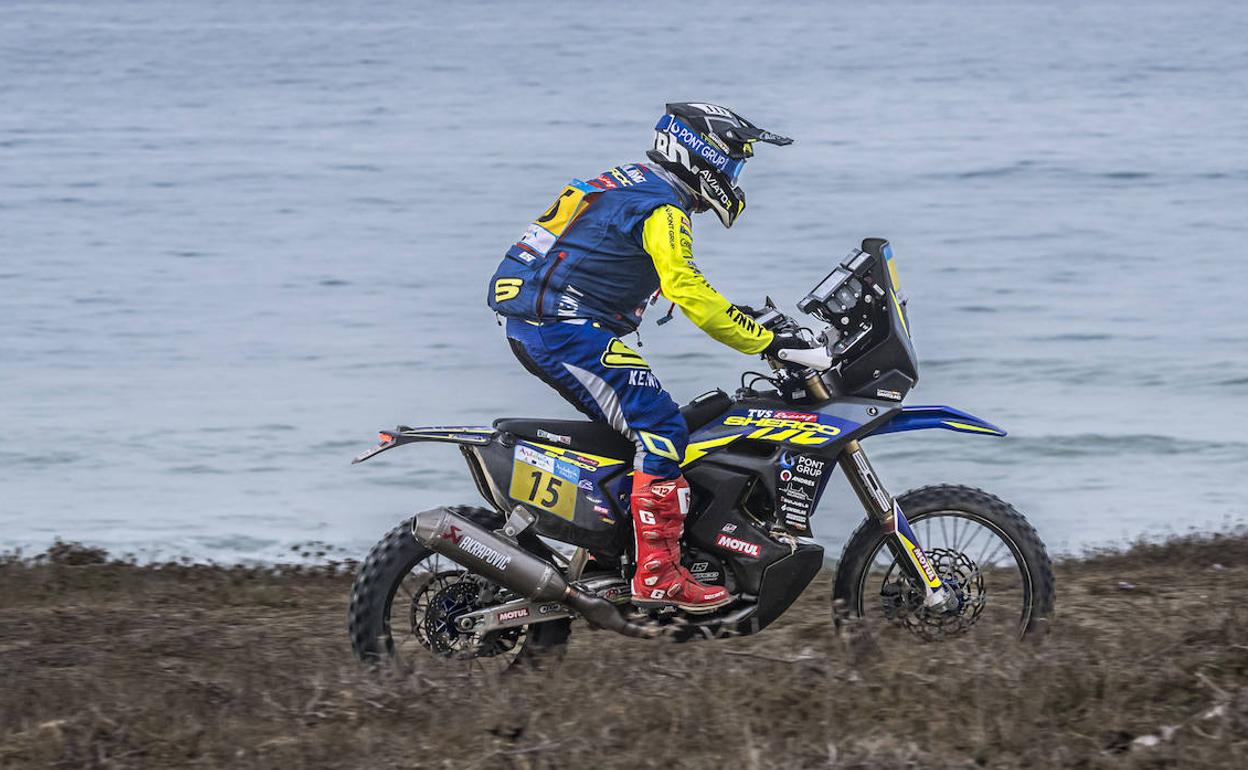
(114, 665)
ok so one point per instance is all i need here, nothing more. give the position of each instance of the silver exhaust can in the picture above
(494, 558)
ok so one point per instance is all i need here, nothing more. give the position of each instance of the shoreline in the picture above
(119, 665)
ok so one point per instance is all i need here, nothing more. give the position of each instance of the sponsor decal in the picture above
(662, 490)
(643, 378)
(889, 394)
(921, 560)
(615, 592)
(519, 612)
(567, 471)
(546, 609)
(531, 456)
(554, 437)
(800, 481)
(586, 485)
(699, 566)
(790, 431)
(690, 139)
(802, 416)
(593, 499)
(796, 493)
(711, 186)
(600, 509)
(473, 547)
(809, 466)
(877, 490)
(737, 545)
(569, 306)
(729, 527)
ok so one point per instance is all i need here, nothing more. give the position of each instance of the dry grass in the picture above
(117, 666)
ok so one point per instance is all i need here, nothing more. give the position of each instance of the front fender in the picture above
(924, 417)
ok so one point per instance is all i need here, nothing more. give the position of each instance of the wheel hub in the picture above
(436, 623)
(902, 599)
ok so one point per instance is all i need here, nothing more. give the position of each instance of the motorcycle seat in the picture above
(600, 438)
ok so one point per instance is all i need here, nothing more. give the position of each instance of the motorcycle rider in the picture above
(580, 277)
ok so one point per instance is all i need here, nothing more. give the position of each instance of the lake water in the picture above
(237, 238)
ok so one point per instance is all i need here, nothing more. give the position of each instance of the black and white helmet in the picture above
(705, 146)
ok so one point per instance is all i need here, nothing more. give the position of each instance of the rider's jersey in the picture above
(604, 248)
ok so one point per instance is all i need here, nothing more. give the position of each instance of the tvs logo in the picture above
(743, 547)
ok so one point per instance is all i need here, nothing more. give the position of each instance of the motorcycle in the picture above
(486, 585)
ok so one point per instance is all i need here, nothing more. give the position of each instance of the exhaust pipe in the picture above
(509, 565)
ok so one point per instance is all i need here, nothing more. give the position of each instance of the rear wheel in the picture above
(406, 598)
(981, 547)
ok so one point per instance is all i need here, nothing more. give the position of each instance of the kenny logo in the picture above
(739, 546)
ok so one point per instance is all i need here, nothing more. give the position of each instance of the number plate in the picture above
(544, 482)
(548, 228)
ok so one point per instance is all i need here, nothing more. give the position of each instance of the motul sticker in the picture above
(737, 545)
(519, 612)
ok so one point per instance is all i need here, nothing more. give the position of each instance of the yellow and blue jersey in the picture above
(603, 248)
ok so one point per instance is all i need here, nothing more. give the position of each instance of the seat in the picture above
(598, 437)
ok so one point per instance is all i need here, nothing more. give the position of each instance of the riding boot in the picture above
(659, 507)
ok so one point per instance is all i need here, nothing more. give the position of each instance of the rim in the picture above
(984, 563)
(419, 614)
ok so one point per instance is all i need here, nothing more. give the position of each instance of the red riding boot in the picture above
(659, 507)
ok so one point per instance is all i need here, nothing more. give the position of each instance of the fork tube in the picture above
(901, 539)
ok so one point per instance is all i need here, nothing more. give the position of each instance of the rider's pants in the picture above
(607, 381)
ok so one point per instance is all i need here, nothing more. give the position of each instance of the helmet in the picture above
(705, 146)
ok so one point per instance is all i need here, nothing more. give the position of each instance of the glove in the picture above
(782, 341)
(751, 312)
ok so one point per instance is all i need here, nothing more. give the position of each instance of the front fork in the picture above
(901, 541)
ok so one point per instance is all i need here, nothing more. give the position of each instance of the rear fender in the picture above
(946, 417)
(471, 436)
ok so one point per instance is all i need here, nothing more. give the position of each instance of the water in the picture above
(236, 238)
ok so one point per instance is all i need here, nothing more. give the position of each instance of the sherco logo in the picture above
(740, 546)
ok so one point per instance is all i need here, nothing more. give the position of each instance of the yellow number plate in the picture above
(543, 490)
(548, 228)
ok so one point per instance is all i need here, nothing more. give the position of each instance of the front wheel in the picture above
(406, 598)
(981, 547)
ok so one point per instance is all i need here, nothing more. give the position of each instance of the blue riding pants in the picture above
(607, 381)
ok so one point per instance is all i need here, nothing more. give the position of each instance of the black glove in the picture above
(782, 341)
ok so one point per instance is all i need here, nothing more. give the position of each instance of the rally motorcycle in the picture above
(503, 583)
